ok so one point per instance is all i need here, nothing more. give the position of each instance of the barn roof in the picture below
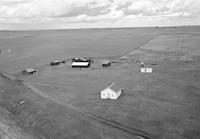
(115, 87)
(106, 62)
(30, 70)
(55, 61)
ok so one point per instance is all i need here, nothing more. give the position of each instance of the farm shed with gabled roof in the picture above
(113, 91)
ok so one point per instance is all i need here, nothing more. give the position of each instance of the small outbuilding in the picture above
(149, 70)
(142, 65)
(29, 71)
(106, 63)
(143, 70)
(80, 64)
(146, 70)
(154, 63)
(55, 62)
(113, 91)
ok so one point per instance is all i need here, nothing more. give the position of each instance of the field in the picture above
(61, 102)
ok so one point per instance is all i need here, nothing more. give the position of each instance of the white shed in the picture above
(113, 91)
(147, 70)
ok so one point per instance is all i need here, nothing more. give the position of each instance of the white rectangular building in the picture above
(81, 64)
(146, 70)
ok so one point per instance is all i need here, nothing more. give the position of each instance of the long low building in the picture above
(106, 63)
(81, 64)
(29, 71)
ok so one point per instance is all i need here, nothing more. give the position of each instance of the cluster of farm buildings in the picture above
(112, 91)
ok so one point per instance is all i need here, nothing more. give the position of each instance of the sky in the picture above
(63, 14)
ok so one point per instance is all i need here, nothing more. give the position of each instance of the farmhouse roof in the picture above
(56, 61)
(30, 70)
(115, 87)
(106, 62)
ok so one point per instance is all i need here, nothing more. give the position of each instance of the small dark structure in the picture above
(106, 63)
(80, 64)
(154, 63)
(29, 71)
(54, 63)
(142, 64)
(63, 61)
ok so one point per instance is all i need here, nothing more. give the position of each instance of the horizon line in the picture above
(54, 29)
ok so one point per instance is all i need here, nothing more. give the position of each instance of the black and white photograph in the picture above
(99, 69)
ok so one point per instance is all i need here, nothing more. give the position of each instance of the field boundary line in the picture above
(126, 53)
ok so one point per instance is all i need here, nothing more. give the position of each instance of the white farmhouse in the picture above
(113, 91)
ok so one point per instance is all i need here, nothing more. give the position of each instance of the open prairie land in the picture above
(61, 102)
(39, 47)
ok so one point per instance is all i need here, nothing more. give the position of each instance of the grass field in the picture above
(163, 105)
(37, 48)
